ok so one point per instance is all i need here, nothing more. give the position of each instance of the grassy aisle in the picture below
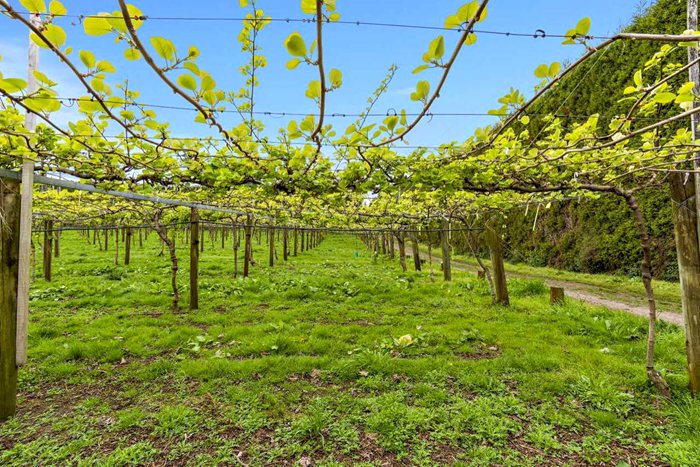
(310, 362)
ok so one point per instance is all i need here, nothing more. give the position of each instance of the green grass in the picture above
(614, 287)
(305, 362)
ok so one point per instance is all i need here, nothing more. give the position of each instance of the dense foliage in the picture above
(598, 235)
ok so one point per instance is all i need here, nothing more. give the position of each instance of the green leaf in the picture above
(583, 26)
(56, 8)
(187, 82)
(391, 122)
(437, 48)
(132, 54)
(420, 68)
(308, 6)
(208, 83)
(11, 85)
(314, 90)
(43, 79)
(293, 63)
(452, 22)
(336, 78)
(295, 45)
(421, 92)
(34, 6)
(116, 19)
(664, 97)
(106, 67)
(243, 3)
(554, 69)
(88, 58)
(638, 78)
(97, 25)
(471, 39)
(164, 47)
(542, 71)
(54, 34)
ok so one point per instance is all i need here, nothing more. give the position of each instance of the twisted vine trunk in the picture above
(163, 234)
(653, 375)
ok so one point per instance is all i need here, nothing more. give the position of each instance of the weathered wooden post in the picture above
(9, 261)
(493, 239)
(248, 248)
(201, 240)
(127, 247)
(296, 240)
(445, 244)
(415, 251)
(303, 246)
(688, 253)
(556, 295)
(56, 240)
(194, 259)
(48, 242)
(285, 243)
(271, 240)
(116, 246)
(235, 241)
(402, 249)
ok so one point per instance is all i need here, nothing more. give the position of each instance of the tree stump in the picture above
(556, 295)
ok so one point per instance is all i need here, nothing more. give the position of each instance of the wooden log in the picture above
(194, 259)
(9, 268)
(556, 295)
(445, 245)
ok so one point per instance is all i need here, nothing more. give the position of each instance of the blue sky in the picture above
(483, 72)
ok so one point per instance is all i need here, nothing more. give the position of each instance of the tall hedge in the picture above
(599, 235)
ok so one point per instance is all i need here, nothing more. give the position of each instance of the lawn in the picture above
(332, 358)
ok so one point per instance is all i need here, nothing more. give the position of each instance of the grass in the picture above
(615, 287)
(308, 362)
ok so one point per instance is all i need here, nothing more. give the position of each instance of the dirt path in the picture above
(586, 293)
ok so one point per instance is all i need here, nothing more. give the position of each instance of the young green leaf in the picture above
(54, 34)
(88, 58)
(34, 6)
(293, 63)
(97, 25)
(583, 26)
(295, 45)
(132, 54)
(336, 78)
(56, 8)
(308, 6)
(164, 47)
(187, 82)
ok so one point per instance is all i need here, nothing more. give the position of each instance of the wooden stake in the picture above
(556, 295)
(27, 198)
(444, 243)
(9, 267)
(493, 239)
(127, 247)
(194, 259)
(48, 239)
(248, 248)
(285, 244)
(415, 251)
(271, 239)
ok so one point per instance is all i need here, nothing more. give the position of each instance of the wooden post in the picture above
(248, 248)
(235, 241)
(194, 259)
(27, 199)
(271, 239)
(296, 241)
(56, 246)
(140, 238)
(402, 250)
(556, 295)
(302, 240)
(493, 239)
(48, 242)
(285, 243)
(106, 239)
(127, 247)
(201, 240)
(415, 251)
(9, 268)
(445, 244)
(116, 246)
(688, 253)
